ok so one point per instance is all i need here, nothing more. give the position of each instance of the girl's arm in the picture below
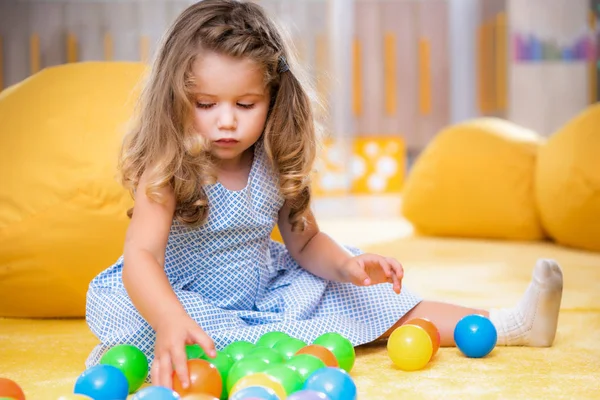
(144, 256)
(150, 291)
(319, 254)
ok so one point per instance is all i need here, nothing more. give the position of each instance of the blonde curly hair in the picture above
(163, 139)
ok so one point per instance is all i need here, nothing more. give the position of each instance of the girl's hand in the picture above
(372, 269)
(169, 349)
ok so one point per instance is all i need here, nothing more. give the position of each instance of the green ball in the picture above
(270, 338)
(238, 350)
(267, 354)
(131, 361)
(223, 362)
(244, 367)
(341, 348)
(289, 347)
(305, 365)
(194, 351)
(287, 377)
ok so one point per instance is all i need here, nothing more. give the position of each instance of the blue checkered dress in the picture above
(238, 284)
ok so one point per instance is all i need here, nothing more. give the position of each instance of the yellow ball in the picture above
(410, 347)
(260, 379)
(74, 397)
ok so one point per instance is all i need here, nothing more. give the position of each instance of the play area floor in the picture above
(46, 356)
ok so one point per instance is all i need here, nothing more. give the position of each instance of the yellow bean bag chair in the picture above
(475, 179)
(568, 182)
(63, 215)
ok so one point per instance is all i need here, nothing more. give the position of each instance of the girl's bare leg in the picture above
(443, 315)
(532, 322)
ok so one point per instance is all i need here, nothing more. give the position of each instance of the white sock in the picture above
(533, 321)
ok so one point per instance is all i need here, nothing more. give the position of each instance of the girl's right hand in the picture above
(169, 350)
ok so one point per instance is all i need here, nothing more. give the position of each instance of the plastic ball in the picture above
(223, 362)
(267, 354)
(269, 339)
(287, 377)
(244, 367)
(255, 393)
(475, 336)
(289, 347)
(336, 383)
(238, 349)
(131, 361)
(72, 396)
(323, 353)
(193, 351)
(409, 347)
(10, 389)
(260, 379)
(102, 382)
(199, 396)
(431, 329)
(156, 393)
(204, 378)
(340, 347)
(306, 394)
(305, 365)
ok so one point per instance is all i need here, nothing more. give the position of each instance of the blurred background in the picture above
(392, 73)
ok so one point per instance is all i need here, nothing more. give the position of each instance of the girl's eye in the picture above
(246, 105)
(204, 105)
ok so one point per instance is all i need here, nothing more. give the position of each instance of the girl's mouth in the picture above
(225, 142)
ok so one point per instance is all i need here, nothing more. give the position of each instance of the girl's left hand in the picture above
(371, 269)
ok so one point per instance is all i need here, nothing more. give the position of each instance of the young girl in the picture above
(222, 151)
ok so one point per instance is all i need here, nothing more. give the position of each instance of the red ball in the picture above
(323, 353)
(431, 330)
(10, 389)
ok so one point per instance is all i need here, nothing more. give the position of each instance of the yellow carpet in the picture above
(45, 357)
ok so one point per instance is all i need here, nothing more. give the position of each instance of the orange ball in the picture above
(204, 379)
(321, 352)
(10, 389)
(431, 330)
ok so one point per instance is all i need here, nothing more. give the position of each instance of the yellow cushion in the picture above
(568, 182)
(475, 179)
(62, 218)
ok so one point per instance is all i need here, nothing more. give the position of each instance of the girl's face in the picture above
(231, 104)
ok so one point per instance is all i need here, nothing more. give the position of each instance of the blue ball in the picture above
(102, 382)
(307, 395)
(334, 382)
(255, 392)
(475, 336)
(156, 393)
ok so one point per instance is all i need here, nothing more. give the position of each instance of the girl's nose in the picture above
(227, 119)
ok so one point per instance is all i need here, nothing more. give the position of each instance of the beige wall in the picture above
(545, 95)
(409, 22)
(540, 96)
